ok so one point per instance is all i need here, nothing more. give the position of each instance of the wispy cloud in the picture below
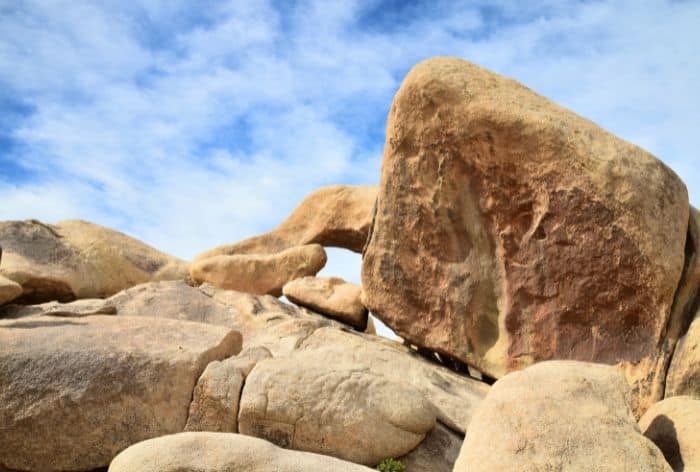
(191, 124)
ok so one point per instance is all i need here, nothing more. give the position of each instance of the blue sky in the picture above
(192, 124)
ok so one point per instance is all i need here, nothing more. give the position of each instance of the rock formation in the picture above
(558, 415)
(331, 296)
(259, 274)
(509, 230)
(76, 259)
(674, 426)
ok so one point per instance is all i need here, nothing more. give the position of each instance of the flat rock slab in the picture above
(221, 452)
(674, 426)
(75, 392)
(77, 259)
(260, 274)
(509, 230)
(331, 296)
(558, 415)
(305, 403)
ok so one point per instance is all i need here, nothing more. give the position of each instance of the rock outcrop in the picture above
(337, 216)
(260, 274)
(509, 230)
(76, 259)
(221, 452)
(75, 392)
(320, 407)
(674, 426)
(558, 415)
(331, 296)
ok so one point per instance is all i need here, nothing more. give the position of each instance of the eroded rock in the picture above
(9, 290)
(75, 392)
(558, 415)
(509, 230)
(437, 453)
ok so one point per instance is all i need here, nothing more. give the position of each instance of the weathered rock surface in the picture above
(260, 274)
(330, 296)
(338, 216)
(75, 392)
(558, 415)
(674, 426)
(221, 452)
(76, 259)
(9, 290)
(437, 453)
(509, 230)
(215, 401)
(348, 413)
(684, 373)
(456, 397)
(262, 320)
(75, 309)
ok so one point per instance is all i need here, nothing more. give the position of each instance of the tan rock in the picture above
(259, 274)
(674, 426)
(509, 230)
(456, 397)
(347, 413)
(75, 392)
(339, 216)
(370, 329)
(9, 290)
(214, 404)
(558, 415)
(76, 259)
(75, 309)
(221, 452)
(262, 320)
(437, 453)
(330, 296)
(684, 372)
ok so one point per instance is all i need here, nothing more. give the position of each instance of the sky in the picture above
(192, 124)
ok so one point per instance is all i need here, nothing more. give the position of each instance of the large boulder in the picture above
(684, 373)
(674, 426)
(338, 216)
(558, 415)
(75, 392)
(76, 259)
(221, 452)
(509, 230)
(331, 296)
(342, 411)
(455, 397)
(260, 274)
(9, 290)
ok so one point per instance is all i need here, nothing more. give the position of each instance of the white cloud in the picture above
(190, 125)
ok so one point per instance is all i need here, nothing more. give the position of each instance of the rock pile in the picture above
(508, 238)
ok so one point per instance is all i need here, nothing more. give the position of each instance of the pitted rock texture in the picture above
(558, 415)
(337, 216)
(509, 230)
(331, 296)
(221, 452)
(260, 274)
(75, 392)
(77, 259)
(342, 411)
(674, 426)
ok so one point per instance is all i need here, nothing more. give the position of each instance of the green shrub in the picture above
(391, 465)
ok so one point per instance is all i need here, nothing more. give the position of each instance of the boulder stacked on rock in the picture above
(76, 259)
(331, 296)
(558, 415)
(509, 230)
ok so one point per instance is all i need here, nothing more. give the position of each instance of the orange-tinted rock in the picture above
(509, 230)
(338, 216)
